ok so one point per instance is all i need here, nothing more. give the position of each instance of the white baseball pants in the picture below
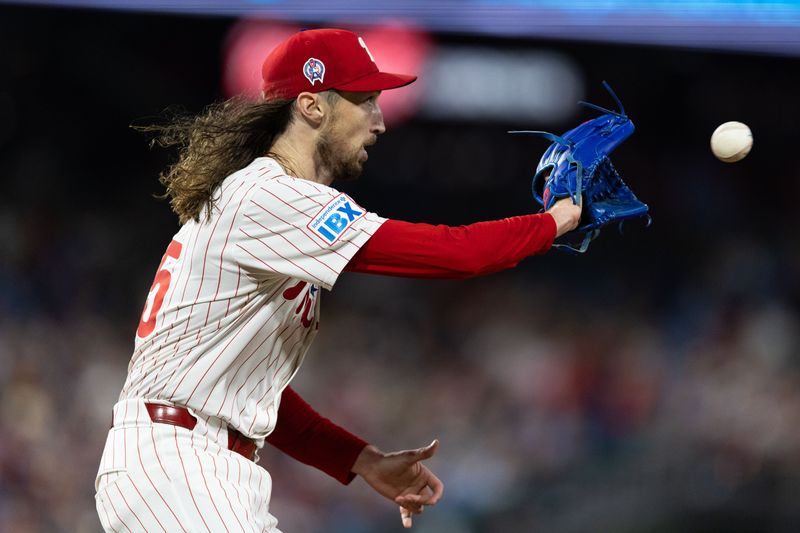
(159, 477)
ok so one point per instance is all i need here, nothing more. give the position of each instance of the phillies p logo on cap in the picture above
(314, 70)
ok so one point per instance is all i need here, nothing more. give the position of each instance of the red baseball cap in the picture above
(319, 60)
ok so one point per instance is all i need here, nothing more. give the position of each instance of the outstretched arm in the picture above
(455, 252)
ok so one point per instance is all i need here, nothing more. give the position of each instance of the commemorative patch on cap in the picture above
(314, 70)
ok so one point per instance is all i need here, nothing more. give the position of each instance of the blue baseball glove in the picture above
(577, 165)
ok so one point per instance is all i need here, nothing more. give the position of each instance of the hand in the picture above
(401, 477)
(566, 214)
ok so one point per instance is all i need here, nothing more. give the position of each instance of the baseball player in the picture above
(235, 302)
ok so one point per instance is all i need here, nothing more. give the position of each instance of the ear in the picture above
(312, 108)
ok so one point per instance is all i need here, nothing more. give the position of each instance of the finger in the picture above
(436, 485)
(413, 508)
(411, 504)
(420, 454)
(414, 501)
(405, 517)
(429, 490)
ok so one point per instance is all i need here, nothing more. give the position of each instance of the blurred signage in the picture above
(748, 25)
(511, 85)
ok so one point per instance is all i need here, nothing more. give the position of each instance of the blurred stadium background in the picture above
(652, 385)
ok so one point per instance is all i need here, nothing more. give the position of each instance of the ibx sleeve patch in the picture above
(335, 217)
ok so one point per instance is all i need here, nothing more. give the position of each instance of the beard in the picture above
(335, 158)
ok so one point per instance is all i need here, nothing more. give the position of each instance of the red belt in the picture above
(181, 417)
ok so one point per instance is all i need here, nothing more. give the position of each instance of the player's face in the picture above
(355, 123)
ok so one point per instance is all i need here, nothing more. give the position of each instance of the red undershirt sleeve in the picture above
(413, 250)
(453, 252)
(305, 435)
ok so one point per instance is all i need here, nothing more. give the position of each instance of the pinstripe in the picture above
(177, 313)
(150, 480)
(187, 251)
(225, 187)
(164, 362)
(300, 229)
(196, 231)
(223, 351)
(222, 254)
(273, 358)
(256, 386)
(146, 504)
(239, 484)
(208, 244)
(114, 448)
(219, 430)
(350, 240)
(287, 204)
(235, 292)
(248, 494)
(274, 251)
(158, 456)
(270, 388)
(225, 492)
(271, 171)
(175, 366)
(232, 379)
(364, 231)
(270, 268)
(290, 243)
(206, 439)
(277, 371)
(121, 521)
(100, 505)
(249, 484)
(316, 187)
(125, 440)
(235, 487)
(116, 486)
(205, 482)
(188, 483)
(196, 298)
(140, 371)
(282, 182)
(141, 464)
(185, 372)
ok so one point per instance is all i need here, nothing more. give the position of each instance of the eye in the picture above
(370, 101)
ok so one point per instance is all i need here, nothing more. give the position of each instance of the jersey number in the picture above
(157, 291)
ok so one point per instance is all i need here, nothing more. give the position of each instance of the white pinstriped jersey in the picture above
(235, 303)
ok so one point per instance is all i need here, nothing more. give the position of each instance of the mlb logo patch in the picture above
(331, 222)
(314, 70)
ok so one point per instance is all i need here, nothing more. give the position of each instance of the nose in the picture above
(378, 126)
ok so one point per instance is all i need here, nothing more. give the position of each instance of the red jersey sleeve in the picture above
(453, 252)
(305, 435)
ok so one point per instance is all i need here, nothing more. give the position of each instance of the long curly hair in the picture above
(223, 138)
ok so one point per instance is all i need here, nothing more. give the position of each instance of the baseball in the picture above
(731, 141)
